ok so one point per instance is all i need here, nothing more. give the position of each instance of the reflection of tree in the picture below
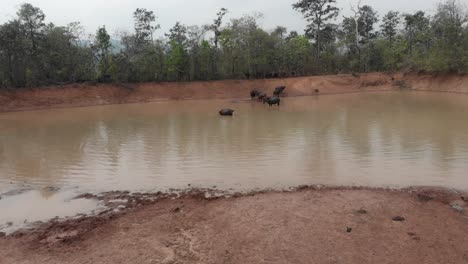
(417, 121)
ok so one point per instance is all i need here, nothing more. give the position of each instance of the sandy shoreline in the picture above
(307, 225)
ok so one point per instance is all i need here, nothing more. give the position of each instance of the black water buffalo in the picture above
(254, 93)
(279, 90)
(226, 112)
(262, 96)
(265, 99)
(274, 100)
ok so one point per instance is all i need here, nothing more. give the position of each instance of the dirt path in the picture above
(308, 226)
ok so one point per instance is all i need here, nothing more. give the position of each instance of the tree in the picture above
(12, 54)
(298, 54)
(349, 43)
(216, 26)
(415, 25)
(367, 19)
(317, 12)
(32, 19)
(144, 27)
(177, 58)
(36, 53)
(390, 24)
(447, 26)
(101, 48)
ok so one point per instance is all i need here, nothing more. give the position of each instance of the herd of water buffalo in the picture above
(261, 97)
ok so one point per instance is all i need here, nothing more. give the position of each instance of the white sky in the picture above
(117, 14)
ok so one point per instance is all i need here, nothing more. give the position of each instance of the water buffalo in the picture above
(279, 90)
(262, 96)
(226, 112)
(274, 100)
(254, 93)
(265, 99)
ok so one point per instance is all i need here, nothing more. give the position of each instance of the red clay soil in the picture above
(77, 95)
(305, 226)
(451, 83)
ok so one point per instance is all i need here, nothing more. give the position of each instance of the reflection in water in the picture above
(374, 139)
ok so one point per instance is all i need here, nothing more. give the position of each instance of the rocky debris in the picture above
(458, 208)
(361, 211)
(2, 234)
(414, 236)
(398, 219)
(349, 230)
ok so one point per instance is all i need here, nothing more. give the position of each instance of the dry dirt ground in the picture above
(304, 226)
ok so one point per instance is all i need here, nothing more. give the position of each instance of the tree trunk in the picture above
(318, 40)
(10, 71)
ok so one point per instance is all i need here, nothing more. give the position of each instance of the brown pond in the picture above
(390, 139)
(374, 139)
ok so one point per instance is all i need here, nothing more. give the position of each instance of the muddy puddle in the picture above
(24, 208)
(387, 139)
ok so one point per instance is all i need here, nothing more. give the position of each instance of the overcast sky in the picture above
(117, 14)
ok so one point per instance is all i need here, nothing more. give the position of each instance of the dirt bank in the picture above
(309, 225)
(76, 95)
(453, 83)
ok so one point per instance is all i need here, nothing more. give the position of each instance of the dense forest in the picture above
(36, 53)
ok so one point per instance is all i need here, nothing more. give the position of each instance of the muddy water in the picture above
(394, 139)
(374, 139)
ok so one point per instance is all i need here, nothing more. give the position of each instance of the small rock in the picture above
(398, 219)
(361, 211)
(458, 208)
(349, 230)
(176, 210)
(411, 234)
